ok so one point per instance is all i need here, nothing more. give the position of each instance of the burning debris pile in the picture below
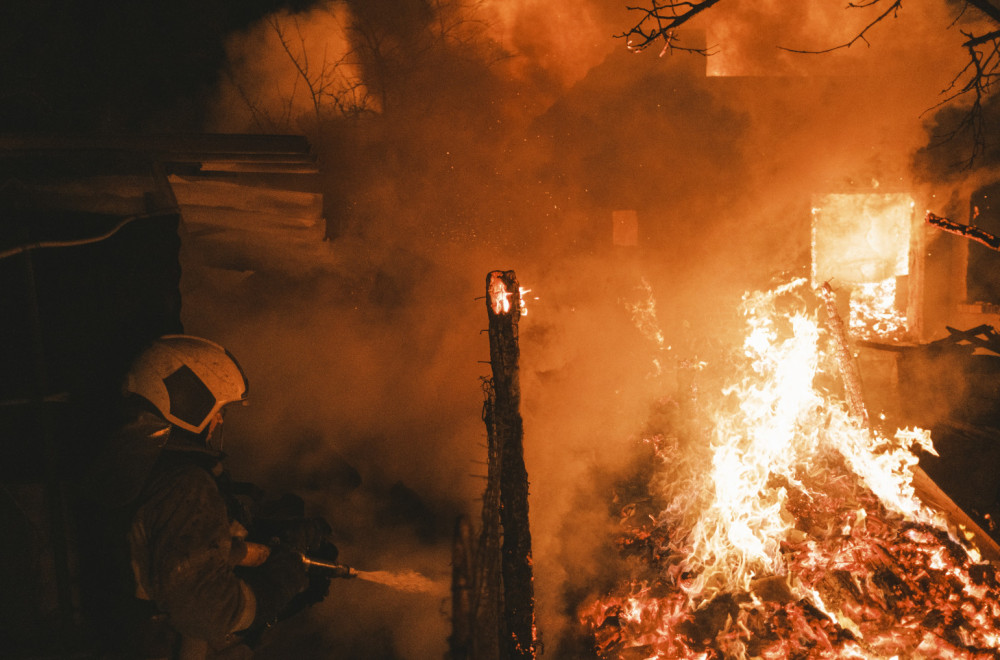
(775, 524)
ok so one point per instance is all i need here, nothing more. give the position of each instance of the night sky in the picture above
(109, 66)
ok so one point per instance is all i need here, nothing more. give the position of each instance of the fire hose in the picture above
(255, 554)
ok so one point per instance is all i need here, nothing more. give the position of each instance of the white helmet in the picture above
(187, 379)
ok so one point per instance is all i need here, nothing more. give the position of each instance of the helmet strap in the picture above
(215, 432)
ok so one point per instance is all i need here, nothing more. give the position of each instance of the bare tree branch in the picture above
(974, 81)
(981, 39)
(299, 61)
(892, 10)
(660, 20)
(261, 119)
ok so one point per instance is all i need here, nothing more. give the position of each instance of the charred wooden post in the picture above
(845, 359)
(968, 231)
(462, 583)
(503, 302)
(488, 593)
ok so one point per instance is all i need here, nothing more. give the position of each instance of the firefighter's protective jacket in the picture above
(180, 544)
(179, 536)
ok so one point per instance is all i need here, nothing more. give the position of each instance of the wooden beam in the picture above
(968, 231)
(203, 144)
(503, 302)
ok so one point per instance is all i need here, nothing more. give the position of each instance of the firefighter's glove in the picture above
(319, 584)
(307, 535)
(327, 552)
(276, 583)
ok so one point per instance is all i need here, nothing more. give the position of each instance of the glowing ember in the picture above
(787, 529)
(520, 294)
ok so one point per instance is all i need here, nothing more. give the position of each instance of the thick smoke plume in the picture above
(503, 135)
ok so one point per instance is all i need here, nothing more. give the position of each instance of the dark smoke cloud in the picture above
(364, 351)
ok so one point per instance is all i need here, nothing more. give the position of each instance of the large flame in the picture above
(766, 491)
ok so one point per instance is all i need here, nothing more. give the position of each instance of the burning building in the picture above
(780, 520)
(762, 516)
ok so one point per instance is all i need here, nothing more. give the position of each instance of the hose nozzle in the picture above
(329, 569)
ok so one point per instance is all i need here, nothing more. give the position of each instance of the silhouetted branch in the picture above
(660, 20)
(974, 81)
(258, 113)
(893, 8)
(300, 61)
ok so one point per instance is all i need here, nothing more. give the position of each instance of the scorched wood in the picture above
(488, 596)
(968, 231)
(845, 359)
(462, 584)
(503, 302)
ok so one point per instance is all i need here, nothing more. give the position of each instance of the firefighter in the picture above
(175, 524)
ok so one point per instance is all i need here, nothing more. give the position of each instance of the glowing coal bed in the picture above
(771, 524)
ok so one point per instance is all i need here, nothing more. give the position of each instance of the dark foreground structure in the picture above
(90, 273)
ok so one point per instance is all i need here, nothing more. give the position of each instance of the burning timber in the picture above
(492, 583)
(971, 232)
(928, 491)
(504, 305)
(778, 524)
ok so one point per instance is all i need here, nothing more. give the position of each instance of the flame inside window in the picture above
(874, 311)
(861, 242)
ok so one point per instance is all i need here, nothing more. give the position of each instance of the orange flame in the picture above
(874, 314)
(781, 517)
(499, 295)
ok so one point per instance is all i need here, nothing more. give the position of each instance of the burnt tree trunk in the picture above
(488, 596)
(504, 310)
